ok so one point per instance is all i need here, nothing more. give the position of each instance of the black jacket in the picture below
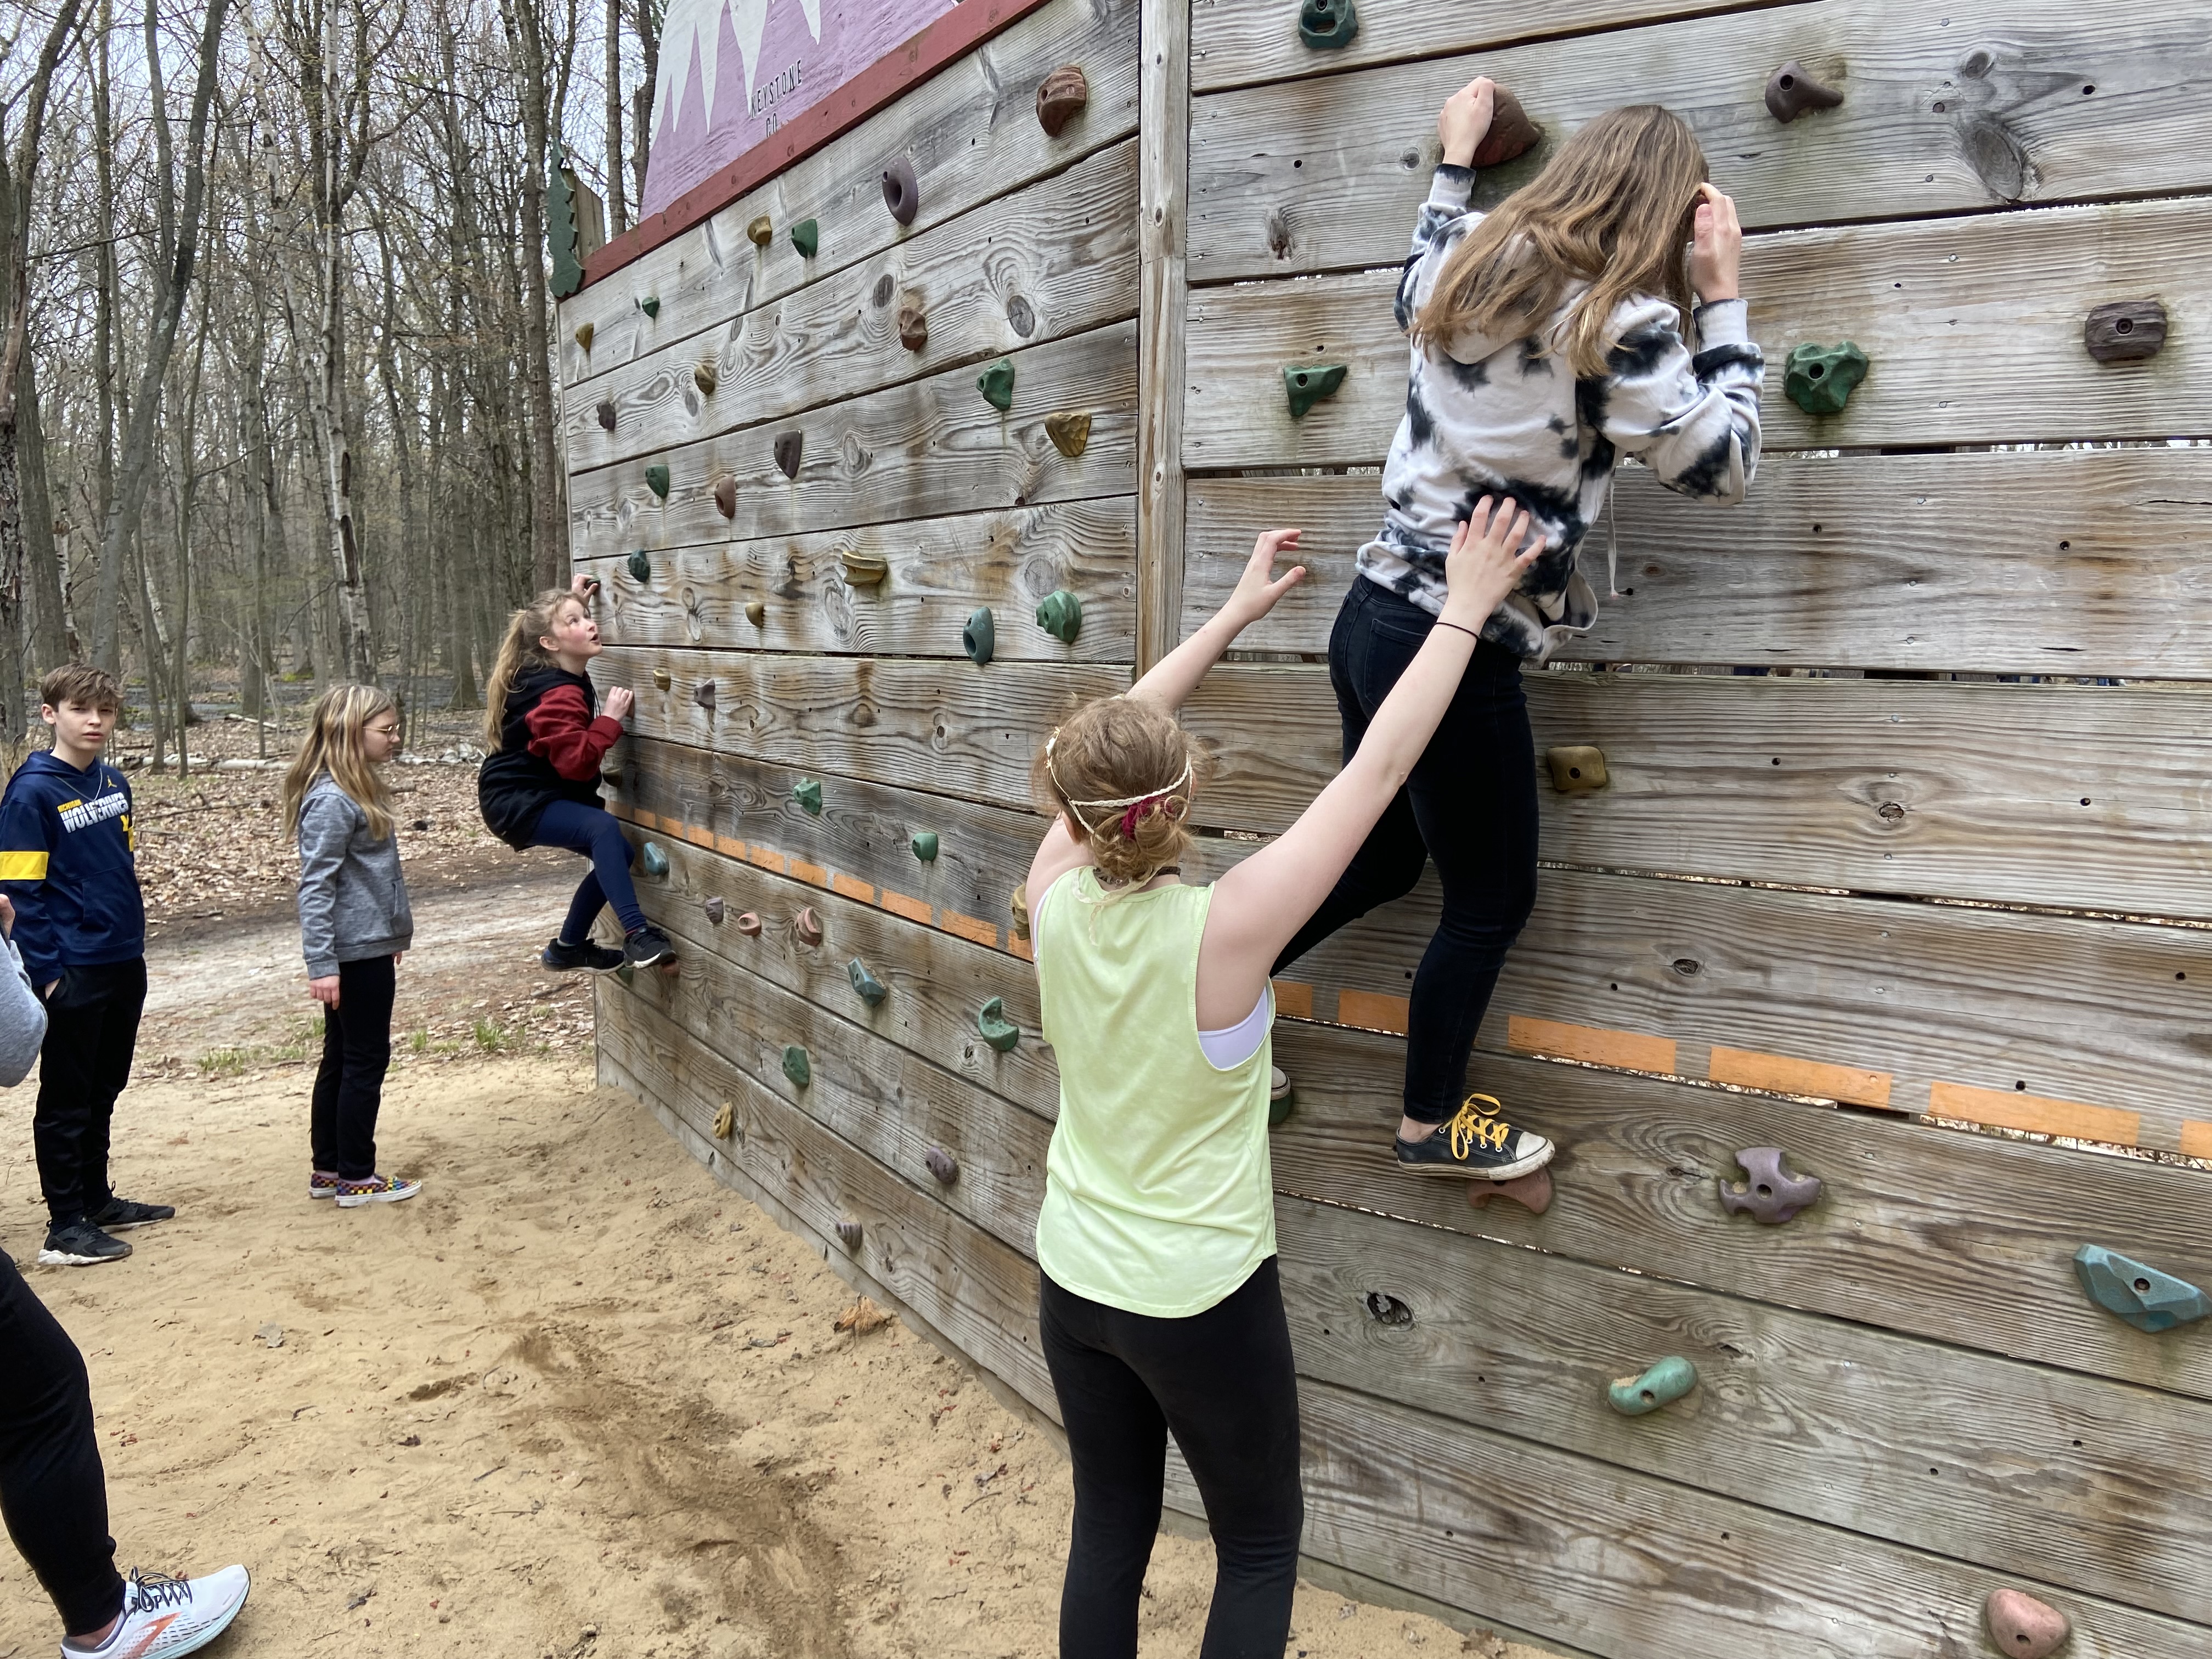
(551, 740)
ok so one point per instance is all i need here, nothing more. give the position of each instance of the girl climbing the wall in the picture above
(1160, 1308)
(1551, 336)
(354, 925)
(540, 783)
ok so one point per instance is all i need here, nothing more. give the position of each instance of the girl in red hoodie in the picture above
(540, 783)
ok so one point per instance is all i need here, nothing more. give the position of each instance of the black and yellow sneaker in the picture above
(1476, 1145)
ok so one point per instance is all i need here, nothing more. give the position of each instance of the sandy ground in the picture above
(577, 1398)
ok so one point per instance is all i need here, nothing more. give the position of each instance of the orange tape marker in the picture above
(1592, 1043)
(2009, 1108)
(1779, 1074)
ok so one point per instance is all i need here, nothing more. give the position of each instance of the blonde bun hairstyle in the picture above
(1123, 773)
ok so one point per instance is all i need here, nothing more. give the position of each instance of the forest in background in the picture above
(277, 402)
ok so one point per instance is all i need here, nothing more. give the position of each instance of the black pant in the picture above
(1470, 803)
(350, 1083)
(1222, 1382)
(53, 1491)
(91, 1029)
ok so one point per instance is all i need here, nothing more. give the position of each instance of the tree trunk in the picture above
(618, 209)
(549, 552)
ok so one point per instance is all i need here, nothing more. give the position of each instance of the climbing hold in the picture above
(641, 566)
(1533, 1190)
(1018, 903)
(807, 237)
(1309, 383)
(864, 570)
(1576, 768)
(1511, 132)
(1060, 97)
(1790, 92)
(925, 845)
(849, 1231)
(1664, 1384)
(760, 231)
(2023, 1627)
(901, 191)
(661, 679)
(872, 989)
(703, 694)
(1281, 1097)
(626, 973)
(807, 791)
(980, 635)
(796, 1065)
(2124, 331)
(1820, 379)
(1328, 24)
(806, 926)
(1773, 1194)
(942, 1164)
(585, 332)
(787, 447)
(996, 385)
(715, 908)
(1070, 433)
(749, 923)
(705, 378)
(605, 411)
(725, 1121)
(914, 328)
(1061, 615)
(2147, 1299)
(652, 859)
(725, 495)
(650, 306)
(656, 480)
(997, 1030)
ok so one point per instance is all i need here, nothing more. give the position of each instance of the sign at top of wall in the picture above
(732, 71)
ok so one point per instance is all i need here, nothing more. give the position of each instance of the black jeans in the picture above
(53, 1491)
(92, 1030)
(1470, 805)
(350, 1083)
(1222, 1382)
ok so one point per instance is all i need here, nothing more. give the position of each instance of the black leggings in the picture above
(1222, 1382)
(350, 1083)
(1470, 805)
(53, 1491)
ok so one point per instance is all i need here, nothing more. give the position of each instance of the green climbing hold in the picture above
(1061, 615)
(1820, 380)
(652, 859)
(807, 237)
(807, 791)
(1309, 383)
(1665, 1382)
(656, 480)
(796, 1066)
(641, 567)
(924, 846)
(1328, 24)
(872, 989)
(996, 385)
(997, 1030)
(2147, 1298)
(627, 973)
(650, 306)
(980, 636)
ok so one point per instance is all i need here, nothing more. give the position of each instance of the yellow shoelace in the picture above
(1469, 1125)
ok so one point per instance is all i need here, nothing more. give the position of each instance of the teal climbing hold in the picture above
(924, 846)
(1061, 615)
(807, 791)
(627, 973)
(1820, 380)
(796, 1066)
(996, 385)
(1309, 383)
(652, 859)
(650, 306)
(2147, 1298)
(872, 989)
(997, 1030)
(981, 636)
(807, 237)
(656, 480)
(640, 566)
(1665, 1382)
(1328, 25)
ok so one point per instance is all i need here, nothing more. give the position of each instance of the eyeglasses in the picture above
(385, 731)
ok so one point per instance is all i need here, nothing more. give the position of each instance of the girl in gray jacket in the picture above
(354, 925)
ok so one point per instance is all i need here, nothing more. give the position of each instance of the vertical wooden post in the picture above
(1163, 189)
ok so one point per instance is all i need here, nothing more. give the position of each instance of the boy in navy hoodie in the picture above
(66, 861)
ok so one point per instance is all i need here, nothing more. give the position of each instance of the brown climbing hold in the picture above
(725, 1121)
(806, 926)
(1061, 98)
(787, 448)
(1534, 1189)
(1790, 92)
(660, 678)
(864, 570)
(725, 495)
(913, 327)
(703, 694)
(605, 411)
(1018, 903)
(1576, 768)
(2125, 331)
(760, 231)
(705, 378)
(901, 191)
(1511, 132)
(584, 333)
(2023, 1627)
(749, 923)
(942, 1164)
(849, 1231)
(1070, 433)
(756, 613)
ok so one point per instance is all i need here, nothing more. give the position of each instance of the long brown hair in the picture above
(520, 652)
(1615, 207)
(1124, 773)
(333, 744)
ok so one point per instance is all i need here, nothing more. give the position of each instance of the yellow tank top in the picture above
(1158, 1197)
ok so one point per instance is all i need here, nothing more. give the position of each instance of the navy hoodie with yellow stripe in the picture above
(66, 861)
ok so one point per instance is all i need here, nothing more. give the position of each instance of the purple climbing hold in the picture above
(1773, 1196)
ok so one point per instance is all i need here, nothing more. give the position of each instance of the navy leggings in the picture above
(593, 831)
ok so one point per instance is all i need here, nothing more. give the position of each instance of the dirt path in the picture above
(575, 1399)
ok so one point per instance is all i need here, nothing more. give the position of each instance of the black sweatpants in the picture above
(92, 1030)
(1222, 1382)
(53, 1491)
(350, 1083)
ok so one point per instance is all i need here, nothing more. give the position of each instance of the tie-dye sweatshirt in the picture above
(1506, 417)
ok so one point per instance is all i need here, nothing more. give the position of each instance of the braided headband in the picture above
(1136, 805)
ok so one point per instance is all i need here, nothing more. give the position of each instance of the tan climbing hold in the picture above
(725, 1121)
(1070, 433)
(706, 377)
(864, 570)
(2024, 1627)
(1576, 769)
(584, 333)
(660, 678)
(756, 613)
(806, 926)
(760, 231)
(1018, 901)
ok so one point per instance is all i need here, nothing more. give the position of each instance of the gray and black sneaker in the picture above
(646, 946)
(1476, 1145)
(560, 957)
(80, 1244)
(123, 1213)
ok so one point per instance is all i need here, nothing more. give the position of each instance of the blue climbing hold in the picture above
(2147, 1298)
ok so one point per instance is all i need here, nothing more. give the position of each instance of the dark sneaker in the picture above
(596, 958)
(1477, 1145)
(377, 1189)
(646, 946)
(166, 1618)
(80, 1244)
(123, 1213)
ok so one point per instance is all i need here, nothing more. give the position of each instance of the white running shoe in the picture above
(164, 1617)
(377, 1189)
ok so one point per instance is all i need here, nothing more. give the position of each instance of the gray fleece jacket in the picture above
(353, 898)
(22, 1019)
